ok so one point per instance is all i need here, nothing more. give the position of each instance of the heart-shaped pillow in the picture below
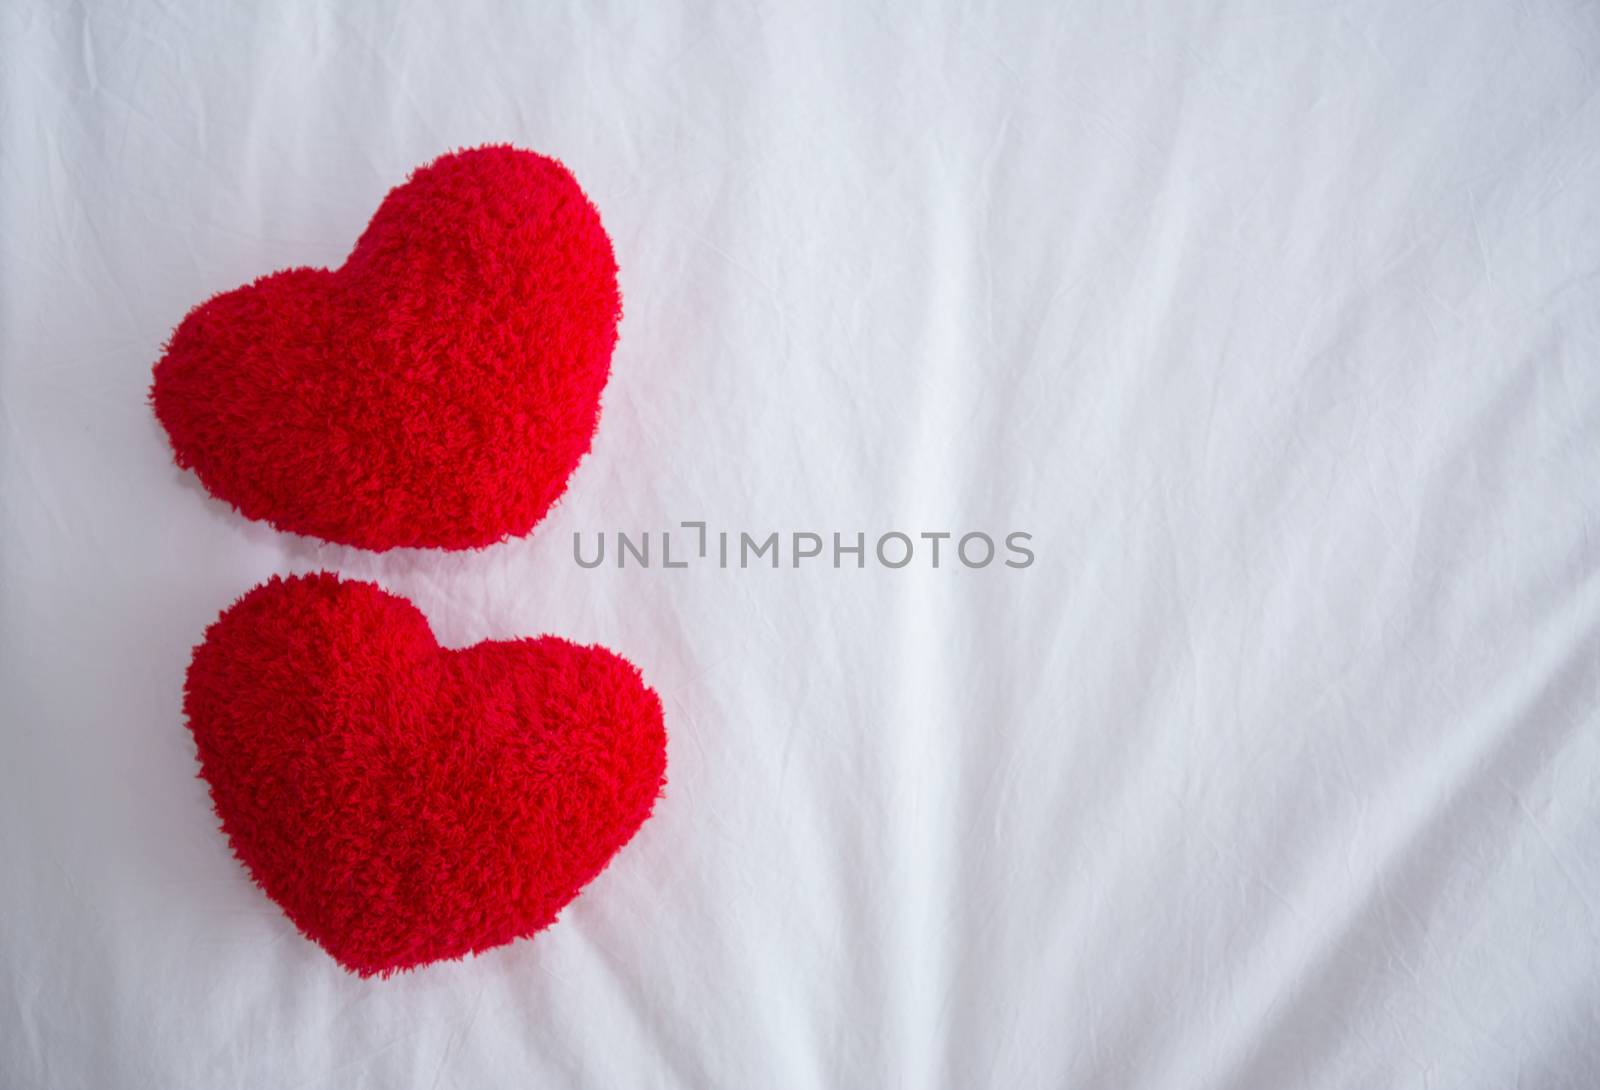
(404, 803)
(436, 390)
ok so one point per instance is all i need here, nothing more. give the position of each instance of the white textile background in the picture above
(1277, 324)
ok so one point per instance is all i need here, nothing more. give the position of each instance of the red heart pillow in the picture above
(435, 390)
(404, 803)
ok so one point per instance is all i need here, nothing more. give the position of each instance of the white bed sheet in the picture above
(1274, 323)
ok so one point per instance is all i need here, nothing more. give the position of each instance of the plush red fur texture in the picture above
(405, 803)
(435, 390)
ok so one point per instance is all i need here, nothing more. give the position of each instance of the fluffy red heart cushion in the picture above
(404, 803)
(435, 390)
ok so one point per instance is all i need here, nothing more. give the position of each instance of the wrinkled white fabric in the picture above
(1274, 323)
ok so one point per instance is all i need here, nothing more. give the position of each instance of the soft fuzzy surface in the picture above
(404, 803)
(437, 389)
